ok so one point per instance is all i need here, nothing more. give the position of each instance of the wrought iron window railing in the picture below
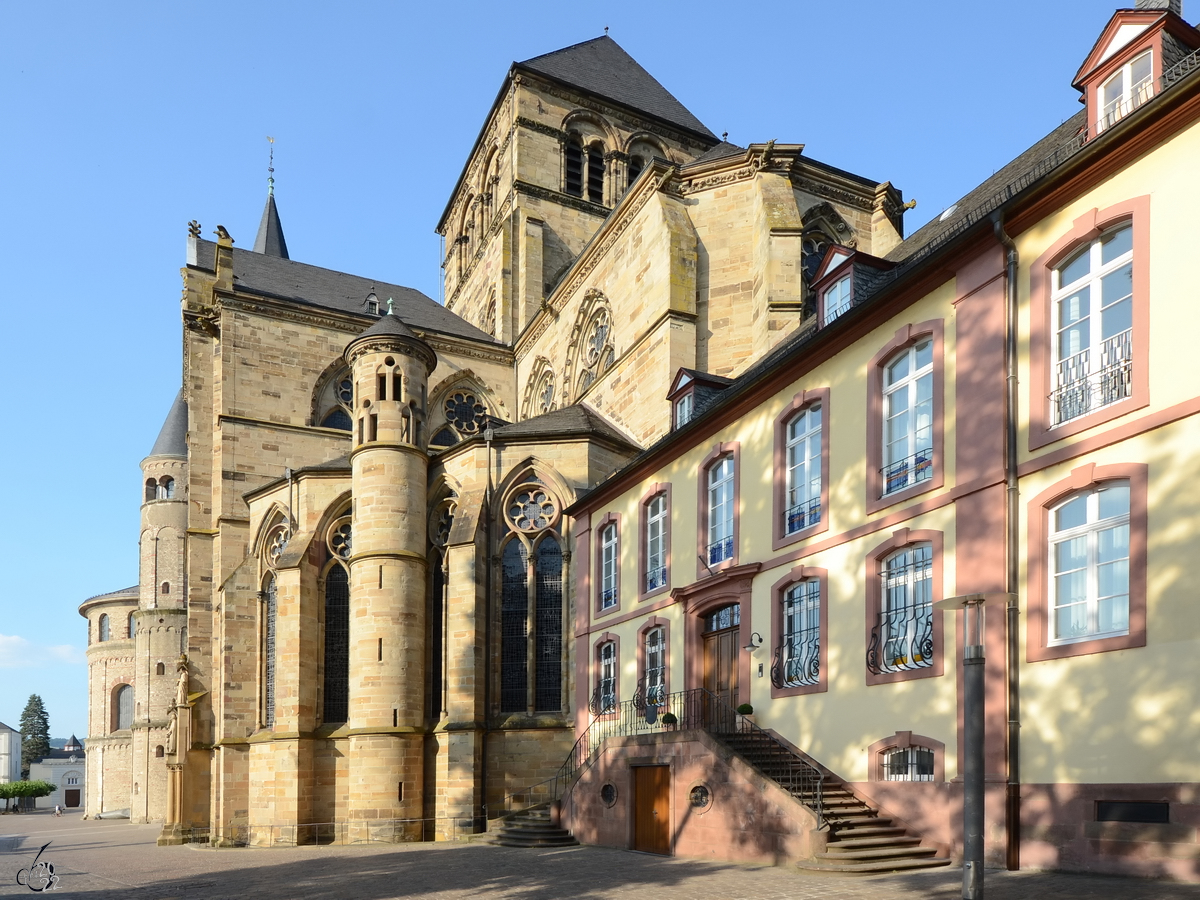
(908, 471)
(902, 639)
(604, 698)
(1083, 386)
(802, 515)
(719, 551)
(908, 764)
(654, 695)
(608, 598)
(798, 656)
(656, 578)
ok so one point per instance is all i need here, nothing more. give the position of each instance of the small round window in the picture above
(608, 794)
(700, 797)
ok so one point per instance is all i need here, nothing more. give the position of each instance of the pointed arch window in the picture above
(336, 707)
(270, 606)
(514, 622)
(335, 401)
(548, 632)
(540, 582)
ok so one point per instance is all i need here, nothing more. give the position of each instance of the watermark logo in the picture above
(40, 876)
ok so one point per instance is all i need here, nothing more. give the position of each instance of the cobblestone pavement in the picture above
(114, 859)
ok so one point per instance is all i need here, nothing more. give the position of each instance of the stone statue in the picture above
(181, 692)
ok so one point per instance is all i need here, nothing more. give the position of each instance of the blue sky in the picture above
(122, 121)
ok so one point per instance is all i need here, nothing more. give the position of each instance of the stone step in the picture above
(866, 843)
(832, 867)
(875, 853)
(857, 831)
(840, 822)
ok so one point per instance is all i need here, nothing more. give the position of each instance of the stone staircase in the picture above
(861, 842)
(532, 828)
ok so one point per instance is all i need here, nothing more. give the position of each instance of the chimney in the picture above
(1175, 6)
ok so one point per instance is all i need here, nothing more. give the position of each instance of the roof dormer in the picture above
(843, 276)
(691, 392)
(1125, 66)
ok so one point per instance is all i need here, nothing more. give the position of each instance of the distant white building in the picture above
(10, 754)
(64, 769)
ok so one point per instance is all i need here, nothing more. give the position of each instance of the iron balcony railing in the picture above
(608, 598)
(696, 709)
(908, 471)
(1082, 388)
(656, 578)
(802, 515)
(719, 551)
(902, 639)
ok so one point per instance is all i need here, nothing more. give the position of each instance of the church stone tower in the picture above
(390, 367)
(159, 623)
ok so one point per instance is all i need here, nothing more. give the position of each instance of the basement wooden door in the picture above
(652, 809)
(721, 632)
(72, 798)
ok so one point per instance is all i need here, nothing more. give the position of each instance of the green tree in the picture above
(35, 733)
(11, 789)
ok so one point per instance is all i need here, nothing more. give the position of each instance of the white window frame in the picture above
(608, 677)
(656, 666)
(1098, 372)
(656, 542)
(721, 511)
(906, 607)
(800, 650)
(802, 457)
(908, 457)
(912, 758)
(1129, 94)
(683, 410)
(608, 566)
(835, 300)
(1091, 532)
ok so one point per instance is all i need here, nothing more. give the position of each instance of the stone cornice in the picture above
(222, 418)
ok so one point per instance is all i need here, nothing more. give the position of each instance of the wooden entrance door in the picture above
(72, 798)
(721, 664)
(652, 809)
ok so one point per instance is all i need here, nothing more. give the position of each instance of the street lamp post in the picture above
(972, 606)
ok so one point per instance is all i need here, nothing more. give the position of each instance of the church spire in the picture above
(270, 241)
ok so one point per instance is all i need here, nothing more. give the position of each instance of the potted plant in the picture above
(670, 720)
(747, 710)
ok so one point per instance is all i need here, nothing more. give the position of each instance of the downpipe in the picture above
(1012, 787)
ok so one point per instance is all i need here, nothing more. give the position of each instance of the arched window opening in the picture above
(636, 164)
(514, 613)
(158, 752)
(548, 624)
(908, 417)
(606, 687)
(166, 588)
(131, 626)
(903, 638)
(720, 510)
(123, 708)
(802, 456)
(337, 646)
(166, 488)
(160, 669)
(335, 402)
(908, 764)
(573, 154)
(656, 667)
(595, 173)
(269, 610)
(151, 489)
(798, 658)
(102, 627)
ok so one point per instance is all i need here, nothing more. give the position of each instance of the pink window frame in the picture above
(905, 337)
(778, 591)
(1086, 229)
(1086, 477)
(720, 451)
(613, 519)
(800, 402)
(901, 538)
(663, 488)
(650, 624)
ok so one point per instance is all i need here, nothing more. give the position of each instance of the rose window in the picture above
(597, 339)
(532, 509)
(548, 395)
(465, 412)
(340, 539)
(277, 543)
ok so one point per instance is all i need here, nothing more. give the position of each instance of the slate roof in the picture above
(720, 151)
(286, 279)
(121, 593)
(571, 420)
(601, 66)
(172, 439)
(269, 240)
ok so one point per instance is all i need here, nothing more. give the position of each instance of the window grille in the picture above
(908, 764)
(720, 510)
(656, 667)
(725, 617)
(607, 687)
(908, 418)
(803, 459)
(798, 658)
(902, 639)
(124, 701)
(270, 607)
(514, 614)
(1089, 565)
(337, 646)
(1093, 323)
(548, 635)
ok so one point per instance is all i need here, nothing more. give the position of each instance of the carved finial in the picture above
(390, 301)
(271, 167)
(194, 228)
(606, 31)
(724, 135)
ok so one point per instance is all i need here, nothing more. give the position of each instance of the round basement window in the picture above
(608, 794)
